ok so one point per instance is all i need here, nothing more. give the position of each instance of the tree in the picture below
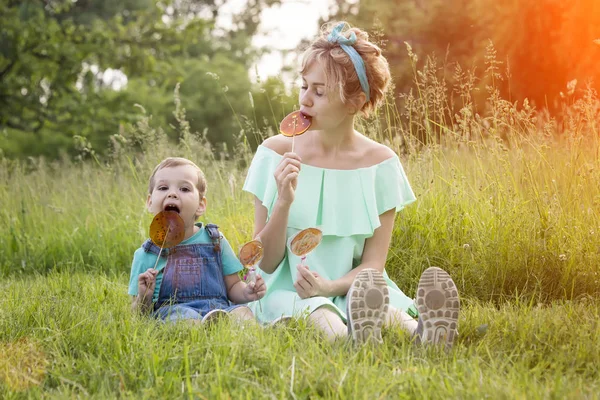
(56, 55)
(544, 44)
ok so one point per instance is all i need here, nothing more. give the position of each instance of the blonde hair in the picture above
(339, 70)
(169, 162)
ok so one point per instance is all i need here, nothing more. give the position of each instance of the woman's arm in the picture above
(272, 233)
(375, 252)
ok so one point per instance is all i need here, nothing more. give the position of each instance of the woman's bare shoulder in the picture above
(278, 143)
(377, 152)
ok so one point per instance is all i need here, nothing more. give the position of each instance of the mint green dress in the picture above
(345, 205)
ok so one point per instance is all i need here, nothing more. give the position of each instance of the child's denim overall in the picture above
(193, 282)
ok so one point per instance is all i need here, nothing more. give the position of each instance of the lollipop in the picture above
(294, 124)
(250, 254)
(305, 241)
(167, 229)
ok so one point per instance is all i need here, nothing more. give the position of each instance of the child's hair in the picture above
(201, 185)
(340, 72)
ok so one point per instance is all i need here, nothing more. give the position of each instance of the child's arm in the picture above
(239, 292)
(146, 285)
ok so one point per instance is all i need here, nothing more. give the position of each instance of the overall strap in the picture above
(215, 236)
(150, 247)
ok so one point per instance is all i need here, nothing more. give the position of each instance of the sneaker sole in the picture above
(213, 316)
(438, 304)
(280, 321)
(368, 305)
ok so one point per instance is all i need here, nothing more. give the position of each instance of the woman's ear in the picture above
(356, 104)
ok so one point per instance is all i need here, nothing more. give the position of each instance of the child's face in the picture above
(175, 190)
(325, 107)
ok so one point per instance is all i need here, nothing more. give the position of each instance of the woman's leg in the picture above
(329, 323)
(400, 319)
(243, 314)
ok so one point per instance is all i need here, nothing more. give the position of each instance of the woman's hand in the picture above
(255, 290)
(286, 176)
(310, 284)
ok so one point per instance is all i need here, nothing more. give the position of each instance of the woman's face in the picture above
(325, 107)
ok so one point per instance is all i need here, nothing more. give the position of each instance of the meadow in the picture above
(507, 204)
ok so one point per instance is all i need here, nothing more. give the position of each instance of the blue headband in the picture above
(346, 45)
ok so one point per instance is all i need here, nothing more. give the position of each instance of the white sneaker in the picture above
(214, 316)
(280, 321)
(438, 304)
(367, 306)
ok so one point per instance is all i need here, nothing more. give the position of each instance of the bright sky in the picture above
(282, 27)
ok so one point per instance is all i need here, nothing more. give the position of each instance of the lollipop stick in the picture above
(259, 303)
(252, 278)
(161, 247)
(160, 251)
(294, 134)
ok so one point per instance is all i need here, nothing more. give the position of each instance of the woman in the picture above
(350, 187)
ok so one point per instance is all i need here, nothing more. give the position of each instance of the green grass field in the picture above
(512, 217)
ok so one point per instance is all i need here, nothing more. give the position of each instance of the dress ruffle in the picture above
(339, 202)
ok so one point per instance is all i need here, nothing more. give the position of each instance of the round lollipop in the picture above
(167, 229)
(305, 241)
(294, 124)
(250, 254)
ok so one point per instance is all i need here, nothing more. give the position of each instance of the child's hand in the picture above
(147, 283)
(255, 290)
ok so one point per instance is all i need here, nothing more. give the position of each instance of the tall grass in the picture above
(507, 202)
(68, 335)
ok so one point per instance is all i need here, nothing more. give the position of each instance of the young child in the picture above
(351, 187)
(197, 279)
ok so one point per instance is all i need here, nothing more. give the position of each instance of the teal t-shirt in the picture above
(143, 260)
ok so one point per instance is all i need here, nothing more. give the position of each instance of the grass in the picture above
(77, 331)
(507, 203)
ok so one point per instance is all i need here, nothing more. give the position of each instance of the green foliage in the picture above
(57, 59)
(541, 46)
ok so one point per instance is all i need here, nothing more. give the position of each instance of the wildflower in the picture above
(466, 246)
(571, 86)
(562, 257)
(232, 182)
